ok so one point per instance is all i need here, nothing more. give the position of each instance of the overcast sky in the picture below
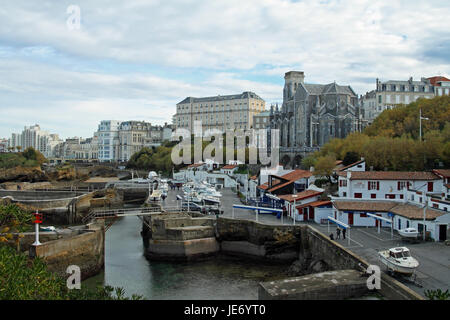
(135, 59)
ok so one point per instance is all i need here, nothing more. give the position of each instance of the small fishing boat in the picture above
(408, 233)
(49, 228)
(155, 196)
(399, 260)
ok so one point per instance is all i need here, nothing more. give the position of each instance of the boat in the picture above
(49, 228)
(155, 196)
(399, 260)
(409, 233)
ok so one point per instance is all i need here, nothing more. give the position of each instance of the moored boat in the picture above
(408, 233)
(399, 260)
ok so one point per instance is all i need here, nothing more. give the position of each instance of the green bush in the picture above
(28, 158)
(25, 279)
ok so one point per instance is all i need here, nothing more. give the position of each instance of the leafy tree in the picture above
(350, 157)
(325, 165)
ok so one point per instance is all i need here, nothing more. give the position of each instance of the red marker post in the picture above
(37, 221)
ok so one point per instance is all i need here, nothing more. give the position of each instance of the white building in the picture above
(119, 140)
(219, 112)
(108, 138)
(36, 138)
(385, 184)
(300, 206)
(409, 199)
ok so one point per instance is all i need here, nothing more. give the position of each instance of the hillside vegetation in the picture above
(392, 141)
(28, 158)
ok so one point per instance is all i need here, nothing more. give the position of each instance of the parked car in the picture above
(212, 209)
(191, 206)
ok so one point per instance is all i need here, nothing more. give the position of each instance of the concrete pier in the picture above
(331, 285)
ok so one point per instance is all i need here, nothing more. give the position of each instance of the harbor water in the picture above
(219, 277)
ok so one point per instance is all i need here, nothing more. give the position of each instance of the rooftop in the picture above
(393, 175)
(301, 195)
(244, 95)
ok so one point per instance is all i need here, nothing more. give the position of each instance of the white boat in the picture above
(155, 196)
(408, 233)
(399, 260)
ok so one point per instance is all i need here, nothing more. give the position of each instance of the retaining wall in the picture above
(85, 250)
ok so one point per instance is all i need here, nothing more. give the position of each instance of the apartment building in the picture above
(219, 112)
(119, 140)
(36, 138)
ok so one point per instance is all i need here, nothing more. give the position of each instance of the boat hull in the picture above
(397, 267)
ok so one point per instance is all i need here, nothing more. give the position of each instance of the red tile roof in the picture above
(297, 174)
(263, 186)
(351, 165)
(291, 177)
(301, 195)
(195, 165)
(442, 172)
(314, 204)
(393, 175)
(416, 213)
(230, 166)
(434, 80)
(383, 206)
(406, 210)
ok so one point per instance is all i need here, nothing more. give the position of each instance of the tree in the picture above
(325, 165)
(350, 157)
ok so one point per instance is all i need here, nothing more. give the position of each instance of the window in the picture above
(373, 196)
(401, 185)
(358, 195)
(373, 185)
(430, 186)
(390, 196)
(363, 215)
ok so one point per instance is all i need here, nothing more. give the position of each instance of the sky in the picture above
(136, 59)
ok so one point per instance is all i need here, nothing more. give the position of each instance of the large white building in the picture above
(36, 138)
(119, 140)
(219, 112)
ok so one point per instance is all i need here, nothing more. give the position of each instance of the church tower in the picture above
(291, 81)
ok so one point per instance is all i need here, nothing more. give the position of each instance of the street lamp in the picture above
(420, 123)
(294, 213)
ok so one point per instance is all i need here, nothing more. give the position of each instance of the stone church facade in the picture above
(312, 115)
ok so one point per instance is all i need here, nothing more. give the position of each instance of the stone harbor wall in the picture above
(86, 250)
(278, 243)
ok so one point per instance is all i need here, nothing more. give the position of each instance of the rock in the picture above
(317, 266)
(19, 174)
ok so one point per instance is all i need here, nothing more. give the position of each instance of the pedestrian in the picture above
(343, 233)
(338, 233)
(331, 236)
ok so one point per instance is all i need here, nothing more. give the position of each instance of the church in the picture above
(312, 115)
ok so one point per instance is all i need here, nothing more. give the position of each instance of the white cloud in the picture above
(128, 56)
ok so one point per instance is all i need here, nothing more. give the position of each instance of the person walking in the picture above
(338, 233)
(343, 233)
